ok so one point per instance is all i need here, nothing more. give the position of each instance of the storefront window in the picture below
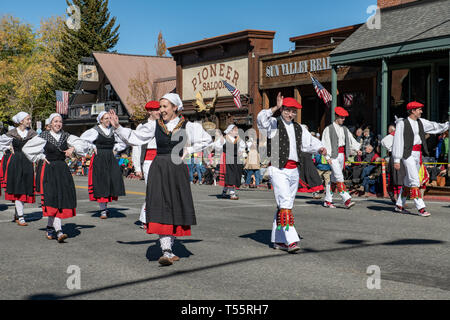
(443, 94)
(409, 85)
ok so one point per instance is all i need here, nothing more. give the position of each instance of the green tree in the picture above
(97, 32)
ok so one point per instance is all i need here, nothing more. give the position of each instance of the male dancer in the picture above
(293, 139)
(409, 142)
(340, 143)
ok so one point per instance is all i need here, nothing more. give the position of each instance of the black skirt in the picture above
(20, 175)
(233, 175)
(309, 177)
(57, 186)
(38, 176)
(107, 180)
(396, 176)
(4, 164)
(169, 198)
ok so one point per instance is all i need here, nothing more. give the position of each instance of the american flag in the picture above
(348, 99)
(321, 91)
(62, 102)
(235, 92)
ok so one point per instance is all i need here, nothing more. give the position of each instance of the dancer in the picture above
(409, 143)
(292, 139)
(339, 143)
(39, 165)
(18, 172)
(144, 155)
(59, 198)
(105, 178)
(170, 209)
(230, 174)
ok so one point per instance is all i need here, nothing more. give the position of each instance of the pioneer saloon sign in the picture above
(208, 78)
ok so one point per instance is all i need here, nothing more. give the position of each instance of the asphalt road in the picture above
(228, 255)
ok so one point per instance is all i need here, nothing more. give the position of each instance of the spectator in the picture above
(253, 165)
(371, 182)
(358, 135)
(324, 171)
(370, 156)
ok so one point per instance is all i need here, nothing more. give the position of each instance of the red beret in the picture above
(414, 105)
(291, 103)
(341, 112)
(152, 105)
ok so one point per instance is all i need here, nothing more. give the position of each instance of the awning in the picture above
(416, 27)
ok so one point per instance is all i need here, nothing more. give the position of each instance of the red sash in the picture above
(150, 154)
(291, 165)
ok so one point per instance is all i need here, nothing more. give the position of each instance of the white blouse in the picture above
(34, 149)
(137, 151)
(355, 146)
(91, 135)
(268, 123)
(428, 126)
(198, 138)
(6, 142)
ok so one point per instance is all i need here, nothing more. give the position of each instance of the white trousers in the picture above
(145, 169)
(412, 167)
(336, 176)
(285, 186)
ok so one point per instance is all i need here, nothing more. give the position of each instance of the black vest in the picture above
(283, 138)
(54, 150)
(408, 138)
(166, 142)
(18, 142)
(103, 141)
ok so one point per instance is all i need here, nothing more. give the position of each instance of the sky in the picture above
(183, 21)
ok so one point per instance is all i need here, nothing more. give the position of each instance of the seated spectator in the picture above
(366, 168)
(372, 183)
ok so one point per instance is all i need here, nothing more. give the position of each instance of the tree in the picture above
(161, 47)
(140, 94)
(26, 67)
(97, 32)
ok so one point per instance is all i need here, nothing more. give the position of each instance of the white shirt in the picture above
(137, 151)
(387, 142)
(34, 149)
(91, 135)
(6, 142)
(269, 124)
(428, 126)
(354, 145)
(198, 138)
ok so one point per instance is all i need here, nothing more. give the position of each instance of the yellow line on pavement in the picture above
(126, 191)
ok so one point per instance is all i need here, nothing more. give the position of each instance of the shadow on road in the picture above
(72, 229)
(114, 213)
(261, 236)
(34, 216)
(352, 244)
(4, 207)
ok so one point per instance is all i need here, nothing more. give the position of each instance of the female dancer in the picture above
(170, 209)
(59, 198)
(230, 169)
(18, 172)
(105, 178)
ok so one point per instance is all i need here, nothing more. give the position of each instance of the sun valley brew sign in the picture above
(298, 67)
(208, 78)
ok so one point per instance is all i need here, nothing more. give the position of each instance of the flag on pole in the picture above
(235, 93)
(62, 102)
(321, 91)
(348, 99)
